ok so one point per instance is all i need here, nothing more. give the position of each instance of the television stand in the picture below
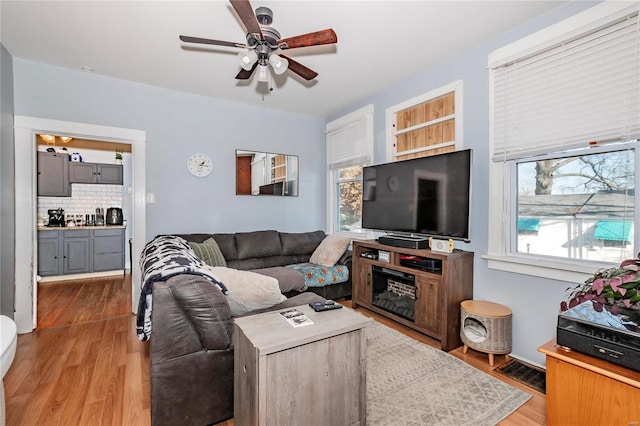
(418, 288)
(405, 241)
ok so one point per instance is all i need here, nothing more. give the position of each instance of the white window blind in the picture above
(349, 145)
(586, 89)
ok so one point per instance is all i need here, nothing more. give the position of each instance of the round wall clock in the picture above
(199, 165)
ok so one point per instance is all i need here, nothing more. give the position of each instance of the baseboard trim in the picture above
(81, 276)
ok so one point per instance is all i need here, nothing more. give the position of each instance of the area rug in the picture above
(533, 377)
(410, 383)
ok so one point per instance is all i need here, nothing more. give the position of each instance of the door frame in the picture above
(25, 132)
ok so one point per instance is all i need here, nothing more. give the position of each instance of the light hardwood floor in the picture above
(85, 366)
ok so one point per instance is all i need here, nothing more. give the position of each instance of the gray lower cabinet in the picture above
(78, 251)
(95, 173)
(108, 249)
(49, 253)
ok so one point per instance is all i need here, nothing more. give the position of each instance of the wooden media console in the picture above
(420, 289)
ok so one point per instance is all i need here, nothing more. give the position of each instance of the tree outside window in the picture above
(577, 207)
(349, 190)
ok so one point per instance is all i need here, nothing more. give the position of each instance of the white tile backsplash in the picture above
(84, 199)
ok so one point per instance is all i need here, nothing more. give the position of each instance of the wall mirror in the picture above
(266, 173)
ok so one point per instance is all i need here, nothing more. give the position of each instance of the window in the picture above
(578, 207)
(349, 148)
(426, 125)
(565, 119)
(349, 191)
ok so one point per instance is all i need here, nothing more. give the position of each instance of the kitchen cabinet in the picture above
(76, 246)
(53, 174)
(49, 253)
(108, 249)
(63, 252)
(95, 173)
(80, 250)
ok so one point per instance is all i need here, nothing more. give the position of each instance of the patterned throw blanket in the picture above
(162, 258)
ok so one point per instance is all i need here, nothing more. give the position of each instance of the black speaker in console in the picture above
(405, 241)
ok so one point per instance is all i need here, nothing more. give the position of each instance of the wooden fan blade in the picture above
(248, 17)
(189, 39)
(317, 38)
(301, 70)
(244, 74)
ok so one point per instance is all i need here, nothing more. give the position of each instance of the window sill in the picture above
(543, 268)
(355, 235)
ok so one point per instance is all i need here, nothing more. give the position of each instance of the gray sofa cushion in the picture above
(288, 279)
(227, 244)
(300, 243)
(299, 300)
(258, 244)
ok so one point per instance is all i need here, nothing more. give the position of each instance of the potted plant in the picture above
(615, 289)
(118, 157)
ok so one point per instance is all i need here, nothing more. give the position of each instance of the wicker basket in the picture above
(486, 326)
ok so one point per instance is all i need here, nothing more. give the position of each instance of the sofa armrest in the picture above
(191, 310)
(346, 260)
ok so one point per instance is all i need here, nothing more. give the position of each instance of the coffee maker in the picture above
(56, 217)
(99, 221)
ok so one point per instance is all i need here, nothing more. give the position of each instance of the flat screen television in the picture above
(427, 196)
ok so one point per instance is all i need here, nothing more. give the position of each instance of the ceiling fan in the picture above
(263, 41)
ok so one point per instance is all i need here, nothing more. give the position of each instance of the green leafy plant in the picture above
(614, 289)
(118, 155)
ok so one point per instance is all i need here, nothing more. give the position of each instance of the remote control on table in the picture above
(327, 305)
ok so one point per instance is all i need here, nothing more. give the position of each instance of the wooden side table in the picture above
(584, 390)
(485, 327)
(310, 375)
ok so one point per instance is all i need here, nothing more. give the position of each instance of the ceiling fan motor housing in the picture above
(270, 36)
(264, 15)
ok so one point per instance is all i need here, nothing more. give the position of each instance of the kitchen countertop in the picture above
(71, 228)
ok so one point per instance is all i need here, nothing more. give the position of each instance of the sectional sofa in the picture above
(191, 351)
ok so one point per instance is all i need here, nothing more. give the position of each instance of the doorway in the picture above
(25, 131)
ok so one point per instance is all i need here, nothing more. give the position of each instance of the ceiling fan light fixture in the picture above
(263, 74)
(278, 63)
(262, 40)
(247, 59)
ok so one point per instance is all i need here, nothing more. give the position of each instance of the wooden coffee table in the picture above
(310, 375)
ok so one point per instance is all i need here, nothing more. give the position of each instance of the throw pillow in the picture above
(330, 250)
(248, 291)
(209, 252)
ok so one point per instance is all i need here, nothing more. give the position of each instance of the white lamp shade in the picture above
(278, 63)
(263, 74)
(247, 59)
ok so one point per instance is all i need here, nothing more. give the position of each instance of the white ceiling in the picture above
(379, 43)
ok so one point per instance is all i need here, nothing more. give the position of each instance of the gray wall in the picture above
(534, 301)
(178, 125)
(7, 190)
